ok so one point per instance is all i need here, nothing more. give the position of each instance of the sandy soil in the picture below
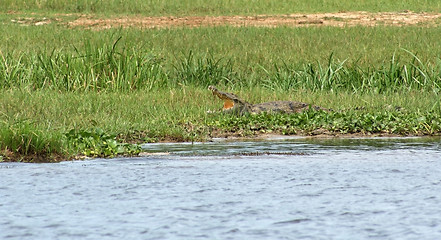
(340, 19)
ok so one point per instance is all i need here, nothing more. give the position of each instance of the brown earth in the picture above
(340, 19)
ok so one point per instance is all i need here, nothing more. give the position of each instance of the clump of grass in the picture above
(22, 140)
(336, 76)
(204, 71)
(91, 69)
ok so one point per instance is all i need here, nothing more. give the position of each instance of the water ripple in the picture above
(349, 189)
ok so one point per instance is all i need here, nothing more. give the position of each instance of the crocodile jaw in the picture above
(232, 104)
(228, 104)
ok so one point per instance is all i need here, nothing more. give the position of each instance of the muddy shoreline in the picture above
(317, 134)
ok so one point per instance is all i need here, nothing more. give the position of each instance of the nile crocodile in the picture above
(233, 104)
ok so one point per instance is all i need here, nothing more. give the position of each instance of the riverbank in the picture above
(6, 155)
(99, 81)
(52, 126)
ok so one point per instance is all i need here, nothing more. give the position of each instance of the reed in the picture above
(336, 76)
(90, 69)
(107, 68)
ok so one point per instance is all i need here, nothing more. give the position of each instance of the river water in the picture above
(273, 189)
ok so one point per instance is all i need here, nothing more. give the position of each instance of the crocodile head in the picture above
(232, 103)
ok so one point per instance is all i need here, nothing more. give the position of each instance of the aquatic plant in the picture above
(96, 143)
(340, 122)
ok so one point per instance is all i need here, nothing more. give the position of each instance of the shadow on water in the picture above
(292, 146)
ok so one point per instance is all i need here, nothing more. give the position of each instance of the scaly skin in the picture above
(233, 104)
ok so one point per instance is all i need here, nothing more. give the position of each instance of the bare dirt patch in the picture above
(32, 21)
(340, 19)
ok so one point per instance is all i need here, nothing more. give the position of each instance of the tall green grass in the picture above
(213, 7)
(90, 69)
(108, 68)
(336, 76)
(248, 46)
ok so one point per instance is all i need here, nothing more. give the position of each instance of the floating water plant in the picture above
(96, 143)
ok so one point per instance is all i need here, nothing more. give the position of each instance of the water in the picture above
(286, 189)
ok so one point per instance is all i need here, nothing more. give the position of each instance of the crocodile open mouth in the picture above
(228, 104)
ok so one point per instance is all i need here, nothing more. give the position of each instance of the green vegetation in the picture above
(106, 69)
(249, 48)
(352, 59)
(23, 140)
(97, 143)
(319, 122)
(46, 122)
(213, 7)
(68, 92)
